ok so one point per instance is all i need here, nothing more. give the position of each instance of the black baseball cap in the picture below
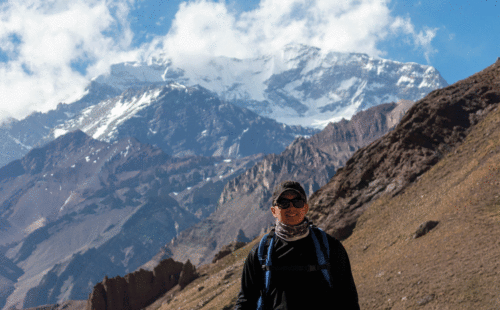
(288, 186)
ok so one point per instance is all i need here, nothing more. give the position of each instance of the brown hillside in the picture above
(455, 265)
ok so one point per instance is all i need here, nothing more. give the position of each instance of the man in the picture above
(295, 246)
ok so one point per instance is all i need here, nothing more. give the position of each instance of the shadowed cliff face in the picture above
(245, 200)
(433, 127)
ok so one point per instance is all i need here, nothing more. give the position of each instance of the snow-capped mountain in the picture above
(299, 86)
(182, 121)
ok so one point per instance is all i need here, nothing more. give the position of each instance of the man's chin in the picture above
(292, 222)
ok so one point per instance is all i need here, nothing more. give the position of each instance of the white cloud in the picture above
(203, 28)
(43, 39)
(421, 39)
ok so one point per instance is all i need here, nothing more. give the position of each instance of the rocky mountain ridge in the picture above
(182, 121)
(166, 115)
(18, 137)
(300, 86)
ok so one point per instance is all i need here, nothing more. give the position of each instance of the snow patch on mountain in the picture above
(123, 110)
(101, 120)
(59, 132)
(35, 225)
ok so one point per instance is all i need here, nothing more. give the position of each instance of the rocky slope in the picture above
(80, 202)
(433, 127)
(245, 202)
(301, 85)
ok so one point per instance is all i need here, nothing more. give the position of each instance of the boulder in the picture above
(116, 293)
(166, 274)
(424, 228)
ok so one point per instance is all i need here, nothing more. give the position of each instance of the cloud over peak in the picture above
(49, 49)
(208, 28)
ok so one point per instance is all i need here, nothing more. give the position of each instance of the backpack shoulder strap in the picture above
(265, 243)
(323, 258)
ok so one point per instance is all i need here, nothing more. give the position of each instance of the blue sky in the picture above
(50, 49)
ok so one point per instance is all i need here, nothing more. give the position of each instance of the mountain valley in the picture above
(170, 164)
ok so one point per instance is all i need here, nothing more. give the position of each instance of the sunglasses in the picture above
(284, 203)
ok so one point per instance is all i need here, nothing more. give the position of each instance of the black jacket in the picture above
(291, 290)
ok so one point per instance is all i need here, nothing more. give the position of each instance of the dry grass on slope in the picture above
(454, 266)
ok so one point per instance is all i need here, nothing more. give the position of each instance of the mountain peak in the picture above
(301, 85)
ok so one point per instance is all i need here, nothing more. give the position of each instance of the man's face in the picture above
(290, 216)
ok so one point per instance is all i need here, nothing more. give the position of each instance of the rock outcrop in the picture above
(434, 126)
(140, 288)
